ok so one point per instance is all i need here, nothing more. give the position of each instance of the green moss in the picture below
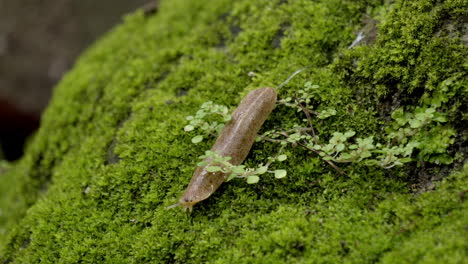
(111, 153)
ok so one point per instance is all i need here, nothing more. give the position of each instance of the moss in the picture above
(111, 153)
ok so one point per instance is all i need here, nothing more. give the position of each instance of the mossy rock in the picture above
(112, 154)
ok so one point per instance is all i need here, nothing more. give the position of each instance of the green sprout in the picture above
(219, 163)
(209, 119)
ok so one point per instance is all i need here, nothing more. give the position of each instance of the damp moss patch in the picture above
(111, 153)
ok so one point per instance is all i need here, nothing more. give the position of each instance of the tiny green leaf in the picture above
(188, 128)
(415, 123)
(326, 113)
(262, 170)
(213, 168)
(238, 169)
(371, 162)
(440, 118)
(405, 160)
(345, 156)
(227, 118)
(350, 133)
(252, 179)
(340, 147)
(282, 157)
(232, 176)
(280, 174)
(197, 139)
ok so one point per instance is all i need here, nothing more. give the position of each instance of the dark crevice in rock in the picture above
(390, 103)
(224, 16)
(344, 248)
(462, 196)
(42, 173)
(459, 148)
(161, 77)
(150, 8)
(182, 91)
(424, 176)
(111, 157)
(235, 30)
(276, 42)
(454, 29)
(25, 243)
(44, 187)
(99, 95)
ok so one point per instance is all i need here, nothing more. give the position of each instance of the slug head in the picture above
(185, 203)
(200, 188)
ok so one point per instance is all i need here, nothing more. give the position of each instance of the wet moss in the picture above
(111, 153)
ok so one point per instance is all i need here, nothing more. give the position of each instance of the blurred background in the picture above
(39, 42)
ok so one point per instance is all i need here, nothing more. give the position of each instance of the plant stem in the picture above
(340, 171)
(309, 119)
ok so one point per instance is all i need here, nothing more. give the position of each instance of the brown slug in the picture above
(235, 141)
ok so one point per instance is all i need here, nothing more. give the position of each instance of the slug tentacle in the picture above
(172, 206)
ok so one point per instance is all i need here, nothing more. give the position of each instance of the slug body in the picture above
(235, 141)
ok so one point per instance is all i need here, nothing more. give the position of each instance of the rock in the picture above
(65, 202)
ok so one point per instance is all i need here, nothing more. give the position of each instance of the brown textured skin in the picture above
(235, 141)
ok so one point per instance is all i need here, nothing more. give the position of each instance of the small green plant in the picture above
(420, 130)
(340, 149)
(210, 119)
(217, 163)
(423, 130)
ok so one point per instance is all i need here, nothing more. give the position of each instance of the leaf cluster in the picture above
(215, 162)
(210, 119)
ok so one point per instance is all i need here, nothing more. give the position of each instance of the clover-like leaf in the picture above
(213, 169)
(282, 157)
(252, 179)
(405, 160)
(349, 133)
(340, 147)
(202, 163)
(231, 176)
(280, 174)
(227, 118)
(415, 123)
(353, 146)
(262, 170)
(238, 169)
(326, 113)
(197, 139)
(188, 128)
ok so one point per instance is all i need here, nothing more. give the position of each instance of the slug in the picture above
(235, 141)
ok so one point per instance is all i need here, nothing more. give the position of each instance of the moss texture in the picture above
(111, 153)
